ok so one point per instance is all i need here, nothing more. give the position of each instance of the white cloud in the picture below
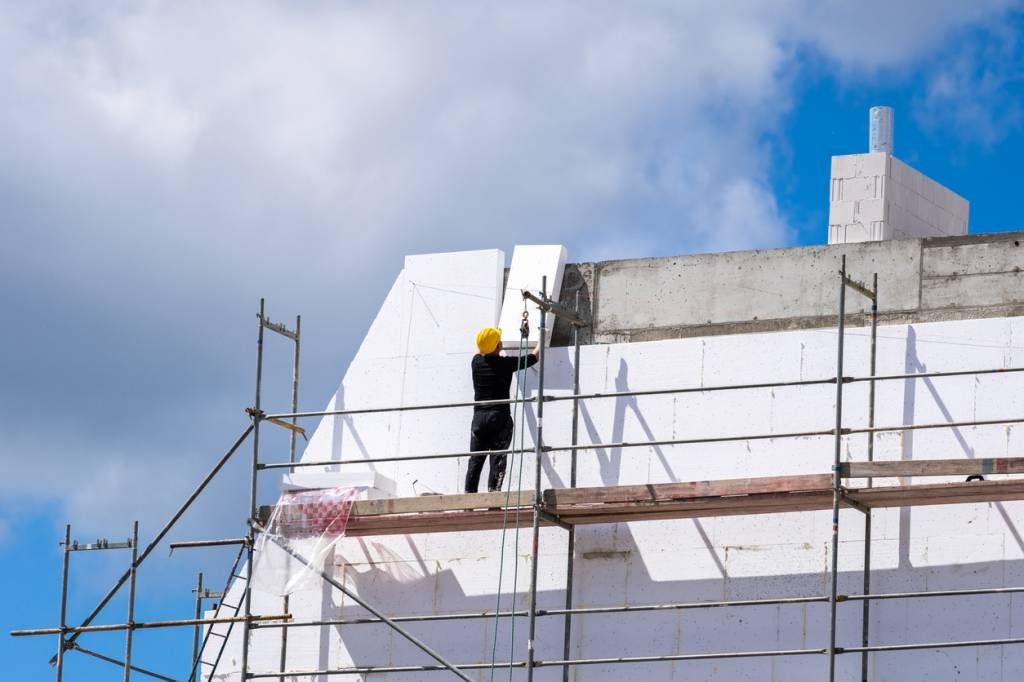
(167, 162)
(976, 88)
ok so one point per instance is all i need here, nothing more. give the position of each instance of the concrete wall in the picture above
(959, 546)
(919, 280)
(876, 196)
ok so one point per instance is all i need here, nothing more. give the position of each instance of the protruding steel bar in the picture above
(130, 631)
(570, 560)
(163, 531)
(120, 663)
(63, 604)
(256, 414)
(153, 624)
(872, 360)
(537, 497)
(361, 602)
(836, 479)
(195, 630)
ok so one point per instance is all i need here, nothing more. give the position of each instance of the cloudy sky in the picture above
(163, 165)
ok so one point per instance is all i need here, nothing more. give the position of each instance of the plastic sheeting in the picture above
(309, 523)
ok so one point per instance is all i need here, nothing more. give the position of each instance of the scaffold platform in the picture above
(660, 501)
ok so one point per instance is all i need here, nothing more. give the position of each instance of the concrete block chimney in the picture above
(875, 196)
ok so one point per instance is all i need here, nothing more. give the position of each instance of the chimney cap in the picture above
(880, 129)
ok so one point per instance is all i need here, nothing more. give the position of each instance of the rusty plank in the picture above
(939, 493)
(693, 489)
(668, 501)
(754, 503)
(934, 467)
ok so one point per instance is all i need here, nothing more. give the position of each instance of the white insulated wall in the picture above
(924, 548)
(876, 196)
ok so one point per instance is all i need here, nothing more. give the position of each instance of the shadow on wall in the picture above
(912, 365)
(611, 571)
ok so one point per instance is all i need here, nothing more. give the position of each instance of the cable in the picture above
(524, 333)
(517, 423)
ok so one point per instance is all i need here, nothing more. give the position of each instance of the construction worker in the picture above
(492, 424)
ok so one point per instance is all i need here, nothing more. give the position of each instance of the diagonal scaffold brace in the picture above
(354, 597)
(67, 644)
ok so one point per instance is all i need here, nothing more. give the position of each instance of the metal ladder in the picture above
(196, 672)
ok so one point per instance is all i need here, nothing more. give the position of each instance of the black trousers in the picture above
(491, 430)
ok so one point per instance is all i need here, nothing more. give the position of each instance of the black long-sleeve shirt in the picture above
(492, 378)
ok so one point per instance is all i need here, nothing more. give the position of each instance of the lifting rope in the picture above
(518, 425)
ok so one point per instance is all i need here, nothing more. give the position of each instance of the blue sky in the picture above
(166, 164)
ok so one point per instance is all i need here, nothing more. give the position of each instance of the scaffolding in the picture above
(568, 507)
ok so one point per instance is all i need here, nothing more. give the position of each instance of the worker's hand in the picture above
(536, 349)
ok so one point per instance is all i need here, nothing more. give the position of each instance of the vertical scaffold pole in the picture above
(130, 630)
(836, 481)
(195, 630)
(63, 602)
(295, 390)
(250, 534)
(539, 448)
(866, 615)
(570, 560)
(291, 458)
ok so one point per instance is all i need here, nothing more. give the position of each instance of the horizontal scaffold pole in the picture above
(637, 608)
(191, 544)
(147, 625)
(646, 392)
(368, 670)
(931, 645)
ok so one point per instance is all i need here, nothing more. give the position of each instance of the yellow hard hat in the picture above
(487, 339)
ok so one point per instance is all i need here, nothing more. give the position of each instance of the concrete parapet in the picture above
(920, 280)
